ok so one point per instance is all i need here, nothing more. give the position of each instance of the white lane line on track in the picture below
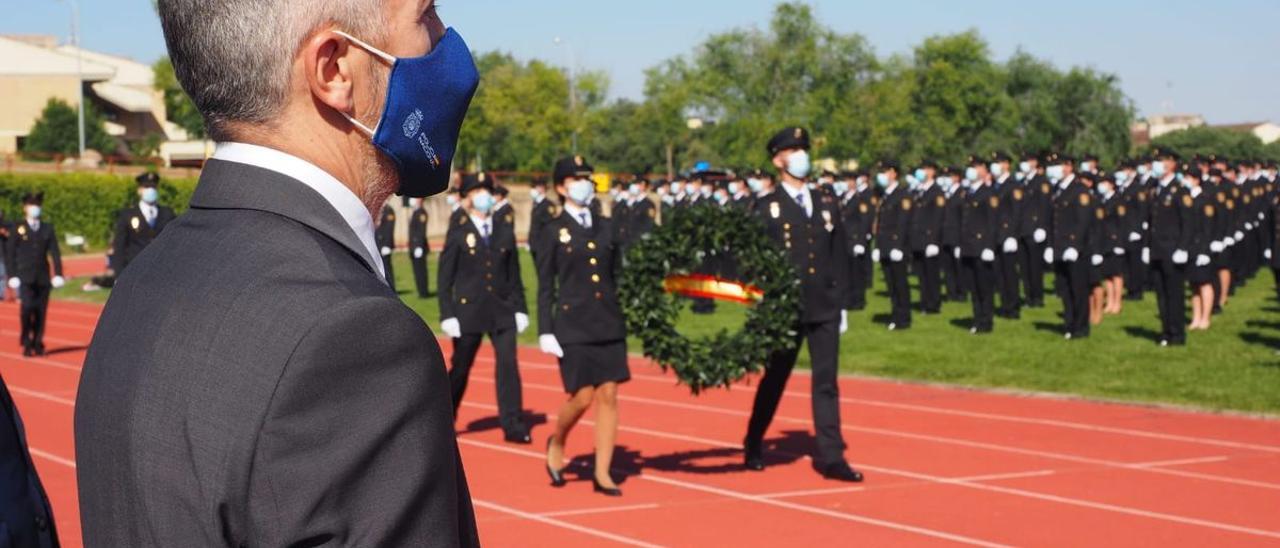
(813, 492)
(1013, 475)
(42, 395)
(562, 524)
(43, 362)
(52, 457)
(592, 511)
(970, 484)
(759, 499)
(1181, 462)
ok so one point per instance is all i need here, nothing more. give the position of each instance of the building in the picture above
(34, 69)
(1145, 131)
(1267, 132)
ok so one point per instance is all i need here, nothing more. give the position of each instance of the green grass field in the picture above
(1235, 366)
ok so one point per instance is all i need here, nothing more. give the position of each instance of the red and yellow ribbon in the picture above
(711, 287)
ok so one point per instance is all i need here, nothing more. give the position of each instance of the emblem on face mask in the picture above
(413, 123)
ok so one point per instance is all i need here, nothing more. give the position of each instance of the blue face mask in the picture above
(427, 99)
(997, 169)
(722, 198)
(33, 212)
(1024, 167)
(971, 173)
(756, 185)
(841, 187)
(920, 175)
(482, 202)
(882, 179)
(150, 195)
(677, 188)
(1121, 177)
(1054, 172)
(581, 191)
(798, 164)
(1157, 169)
(734, 188)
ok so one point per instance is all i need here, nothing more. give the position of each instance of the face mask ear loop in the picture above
(389, 59)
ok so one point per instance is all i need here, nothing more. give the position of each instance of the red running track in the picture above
(944, 466)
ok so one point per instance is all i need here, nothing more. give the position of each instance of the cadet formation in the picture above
(986, 232)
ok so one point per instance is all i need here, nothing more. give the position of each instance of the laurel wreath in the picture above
(679, 247)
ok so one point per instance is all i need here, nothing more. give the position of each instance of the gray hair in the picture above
(233, 57)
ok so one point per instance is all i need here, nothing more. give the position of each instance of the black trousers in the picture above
(1135, 278)
(951, 274)
(984, 297)
(1072, 284)
(929, 271)
(868, 274)
(858, 282)
(824, 351)
(33, 312)
(510, 394)
(1010, 292)
(895, 277)
(1171, 299)
(1031, 265)
(391, 277)
(420, 275)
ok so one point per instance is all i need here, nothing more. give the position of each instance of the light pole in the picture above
(573, 92)
(75, 39)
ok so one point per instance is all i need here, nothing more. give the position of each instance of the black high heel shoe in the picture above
(606, 491)
(557, 476)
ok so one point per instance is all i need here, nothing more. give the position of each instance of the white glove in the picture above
(1135, 237)
(859, 250)
(1096, 260)
(1262, 217)
(1010, 245)
(14, 283)
(895, 255)
(417, 252)
(931, 251)
(522, 322)
(1146, 255)
(1216, 247)
(844, 322)
(988, 255)
(452, 328)
(1248, 227)
(1146, 225)
(1039, 235)
(1070, 255)
(1119, 251)
(957, 253)
(1228, 241)
(549, 345)
(386, 252)
(1180, 257)
(1202, 260)
(1048, 255)
(58, 282)
(875, 255)
(1239, 236)
(1266, 253)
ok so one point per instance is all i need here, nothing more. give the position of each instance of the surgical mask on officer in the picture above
(1157, 168)
(33, 212)
(634, 190)
(971, 174)
(1121, 177)
(997, 169)
(677, 188)
(452, 200)
(482, 201)
(734, 187)
(840, 187)
(798, 165)
(580, 191)
(1024, 167)
(1055, 173)
(722, 197)
(756, 185)
(150, 195)
(882, 179)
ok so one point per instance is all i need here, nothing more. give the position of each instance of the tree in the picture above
(1207, 140)
(57, 131)
(177, 103)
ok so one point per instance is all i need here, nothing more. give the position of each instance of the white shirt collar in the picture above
(795, 194)
(481, 222)
(576, 212)
(343, 200)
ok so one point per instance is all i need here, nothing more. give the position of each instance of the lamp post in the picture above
(75, 39)
(573, 92)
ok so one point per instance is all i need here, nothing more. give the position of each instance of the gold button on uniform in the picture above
(595, 278)
(594, 261)
(464, 300)
(591, 245)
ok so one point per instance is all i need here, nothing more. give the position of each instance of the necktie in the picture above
(804, 205)
(151, 216)
(484, 232)
(586, 223)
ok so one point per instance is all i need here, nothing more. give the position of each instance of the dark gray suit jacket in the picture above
(253, 382)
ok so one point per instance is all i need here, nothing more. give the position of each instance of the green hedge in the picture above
(85, 203)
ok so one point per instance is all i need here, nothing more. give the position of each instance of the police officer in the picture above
(642, 214)
(543, 211)
(138, 225)
(481, 293)
(979, 236)
(893, 242)
(1012, 199)
(504, 216)
(1073, 214)
(1037, 214)
(930, 205)
(419, 247)
(1135, 194)
(32, 246)
(859, 224)
(385, 237)
(956, 194)
(1171, 235)
(808, 225)
(580, 320)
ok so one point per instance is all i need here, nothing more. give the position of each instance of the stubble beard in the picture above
(378, 172)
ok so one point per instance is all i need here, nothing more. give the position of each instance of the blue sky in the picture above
(1220, 59)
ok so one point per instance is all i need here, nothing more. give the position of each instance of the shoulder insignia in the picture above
(862, 208)
(1101, 214)
(565, 237)
(1222, 197)
(1142, 196)
(1044, 188)
(1208, 211)
(653, 212)
(391, 216)
(775, 209)
(509, 219)
(1247, 199)
(1186, 200)
(422, 217)
(875, 201)
(1231, 205)
(135, 223)
(1120, 211)
(906, 204)
(471, 239)
(1084, 199)
(22, 230)
(1017, 194)
(553, 211)
(462, 220)
(995, 202)
(942, 201)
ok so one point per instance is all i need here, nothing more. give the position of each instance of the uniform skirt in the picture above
(1201, 275)
(594, 364)
(1113, 265)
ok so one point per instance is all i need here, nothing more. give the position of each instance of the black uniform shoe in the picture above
(521, 438)
(753, 459)
(557, 476)
(27, 352)
(840, 471)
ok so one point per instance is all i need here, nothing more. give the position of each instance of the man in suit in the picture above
(543, 211)
(1172, 237)
(859, 223)
(979, 227)
(1037, 214)
(31, 248)
(1073, 214)
(138, 225)
(926, 237)
(386, 239)
(309, 406)
(24, 506)
(419, 246)
(1013, 199)
(807, 224)
(642, 214)
(893, 242)
(481, 293)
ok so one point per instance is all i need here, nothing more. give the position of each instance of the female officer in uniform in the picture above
(579, 319)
